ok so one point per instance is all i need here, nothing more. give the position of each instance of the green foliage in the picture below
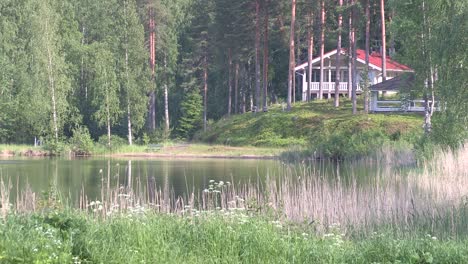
(430, 33)
(191, 116)
(359, 136)
(54, 147)
(64, 237)
(116, 142)
(159, 135)
(81, 142)
(318, 126)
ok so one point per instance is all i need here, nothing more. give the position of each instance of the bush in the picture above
(116, 142)
(81, 142)
(159, 135)
(55, 147)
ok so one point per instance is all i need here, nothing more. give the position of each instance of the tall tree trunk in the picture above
(310, 51)
(257, 56)
(129, 116)
(291, 53)
(82, 74)
(152, 61)
(152, 110)
(229, 82)
(322, 46)
(108, 117)
(354, 57)
(366, 89)
(251, 87)
(129, 123)
(384, 45)
(428, 72)
(245, 84)
(350, 53)
(236, 87)
(265, 57)
(338, 56)
(205, 92)
(166, 100)
(50, 73)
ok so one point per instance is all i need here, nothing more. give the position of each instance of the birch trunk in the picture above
(322, 46)
(354, 58)
(310, 51)
(50, 72)
(366, 89)
(236, 87)
(244, 88)
(429, 72)
(384, 45)
(205, 92)
(257, 56)
(229, 82)
(338, 57)
(291, 54)
(108, 120)
(265, 58)
(166, 109)
(166, 101)
(82, 81)
(129, 115)
(350, 53)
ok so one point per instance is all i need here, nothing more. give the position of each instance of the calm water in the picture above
(180, 175)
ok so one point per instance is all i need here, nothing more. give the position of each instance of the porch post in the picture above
(374, 98)
(304, 86)
(329, 78)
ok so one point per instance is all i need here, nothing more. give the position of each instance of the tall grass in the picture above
(430, 198)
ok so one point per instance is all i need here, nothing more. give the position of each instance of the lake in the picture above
(362, 194)
(182, 176)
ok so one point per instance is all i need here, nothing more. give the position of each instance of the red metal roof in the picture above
(376, 59)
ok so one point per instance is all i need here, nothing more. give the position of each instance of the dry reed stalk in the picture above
(4, 197)
(427, 196)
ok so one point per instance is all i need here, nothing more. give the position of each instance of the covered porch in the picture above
(328, 85)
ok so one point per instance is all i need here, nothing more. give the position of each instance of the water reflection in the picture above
(98, 176)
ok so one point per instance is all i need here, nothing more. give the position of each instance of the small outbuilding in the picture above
(394, 88)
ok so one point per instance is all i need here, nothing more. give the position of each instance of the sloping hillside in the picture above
(311, 124)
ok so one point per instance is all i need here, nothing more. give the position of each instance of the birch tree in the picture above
(105, 89)
(291, 54)
(338, 54)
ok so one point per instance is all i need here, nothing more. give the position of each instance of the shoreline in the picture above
(188, 152)
(186, 156)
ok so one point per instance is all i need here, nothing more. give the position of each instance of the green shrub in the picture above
(81, 142)
(116, 142)
(55, 147)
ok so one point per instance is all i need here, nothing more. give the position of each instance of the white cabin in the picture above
(375, 73)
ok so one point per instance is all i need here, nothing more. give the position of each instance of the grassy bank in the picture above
(67, 237)
(318, 127)
(192, 150)
(169, 149)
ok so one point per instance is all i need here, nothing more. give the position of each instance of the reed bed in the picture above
(432, 197)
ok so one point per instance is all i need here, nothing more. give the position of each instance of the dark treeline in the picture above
(166, 67)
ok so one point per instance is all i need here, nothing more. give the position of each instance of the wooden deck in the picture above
(398, 106)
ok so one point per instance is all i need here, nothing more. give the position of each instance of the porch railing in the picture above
(399, 106)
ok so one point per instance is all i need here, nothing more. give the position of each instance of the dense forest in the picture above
(167, 68)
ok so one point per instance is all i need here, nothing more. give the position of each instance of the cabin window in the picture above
(344, 75)
(333, 76)
(315, 75)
